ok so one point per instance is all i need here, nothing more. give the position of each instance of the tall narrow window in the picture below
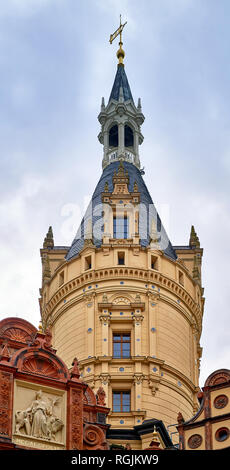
(128, 136)
(121, 257)
(113, 136)
(88, 262)
(120, 227)
(121, 401)
(121, 345)
(154, 262)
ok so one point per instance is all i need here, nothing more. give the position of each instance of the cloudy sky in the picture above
(56, 63)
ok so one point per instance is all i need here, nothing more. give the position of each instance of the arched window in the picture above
(128, 136)
(113, 136)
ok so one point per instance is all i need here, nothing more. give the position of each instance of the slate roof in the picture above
(121, 80)
(96, 214)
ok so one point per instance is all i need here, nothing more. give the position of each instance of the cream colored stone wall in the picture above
(216, 393)
(165, 328)
(215, 426)
(70, 334)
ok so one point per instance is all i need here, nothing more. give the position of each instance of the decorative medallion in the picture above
(221, 401)
(93, 435)
(195, 441)
(222, 434)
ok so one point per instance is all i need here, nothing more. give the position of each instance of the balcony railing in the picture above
(128, 156)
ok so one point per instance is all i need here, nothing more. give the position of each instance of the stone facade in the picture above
(210, 428)
(162, 315)
(43, 404)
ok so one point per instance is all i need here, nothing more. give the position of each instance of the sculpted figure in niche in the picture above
(39, 420)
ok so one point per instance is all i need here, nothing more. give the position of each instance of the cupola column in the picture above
(106, 145)
(121, 139)
(136, 150)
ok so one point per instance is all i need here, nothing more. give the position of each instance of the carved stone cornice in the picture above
(137, 305)
(142, 275)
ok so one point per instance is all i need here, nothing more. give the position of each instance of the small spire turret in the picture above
(49, 239)
(194, 240)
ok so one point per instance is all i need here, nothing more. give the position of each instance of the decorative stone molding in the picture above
(218, 377)
(105, 378)
(149, 276)
(195, 441)
(100, 396)
(105, 319)
(39, 420)
(137, 318)
(6, 381)
(154, 384)
(138, 378)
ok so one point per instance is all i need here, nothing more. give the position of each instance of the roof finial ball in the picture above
(120, 52)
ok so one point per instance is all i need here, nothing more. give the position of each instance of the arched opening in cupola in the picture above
(129, 139)
(113, 136)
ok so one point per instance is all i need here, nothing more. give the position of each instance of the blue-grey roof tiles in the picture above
(95, 208)
(121, 81)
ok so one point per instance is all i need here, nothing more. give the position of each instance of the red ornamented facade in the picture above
(43, 405)
(210, 428)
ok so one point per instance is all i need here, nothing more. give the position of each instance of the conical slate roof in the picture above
(121, 81)
(147, 213)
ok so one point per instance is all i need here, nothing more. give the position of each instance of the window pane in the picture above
(126, 401)
(117, 350)
(120, 227)
(117, 337)
(126, 337)
(116, 401)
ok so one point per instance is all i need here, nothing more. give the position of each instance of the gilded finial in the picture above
(120, 52)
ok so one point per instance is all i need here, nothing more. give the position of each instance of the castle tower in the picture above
(121, 298)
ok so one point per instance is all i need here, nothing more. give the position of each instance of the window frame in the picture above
(121, 342)
(125, 227)
(121, 403)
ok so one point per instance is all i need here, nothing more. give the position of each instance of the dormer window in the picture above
(121, 257)
(120, 227)
(113, 136)
(88, 263)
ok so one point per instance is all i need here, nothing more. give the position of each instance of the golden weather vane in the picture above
(120, 52)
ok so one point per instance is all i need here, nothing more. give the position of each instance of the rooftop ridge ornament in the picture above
(120, 52)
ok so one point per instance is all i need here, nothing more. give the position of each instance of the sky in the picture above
(56, 63)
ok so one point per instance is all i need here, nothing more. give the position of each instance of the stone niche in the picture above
(39, 416)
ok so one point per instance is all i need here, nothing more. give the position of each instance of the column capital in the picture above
(105, 378)
(138, 378)
(105, 319)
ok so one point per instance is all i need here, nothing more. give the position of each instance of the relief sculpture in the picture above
(39, 419)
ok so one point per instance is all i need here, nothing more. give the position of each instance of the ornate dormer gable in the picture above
(120, 206)
(121, 189)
